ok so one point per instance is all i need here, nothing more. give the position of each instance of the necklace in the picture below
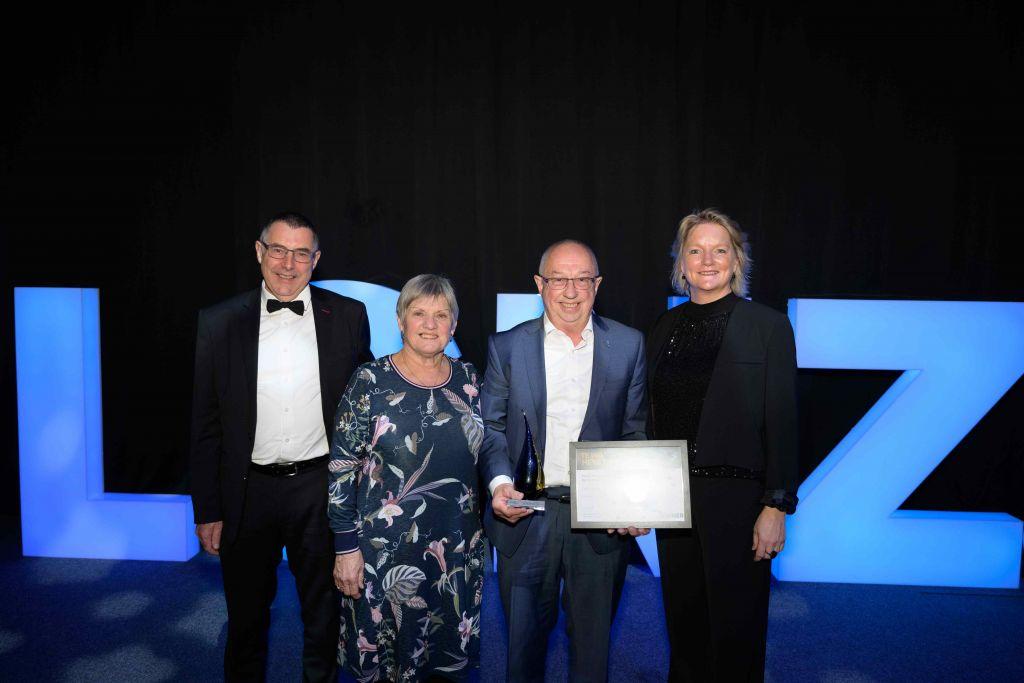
(439, 375)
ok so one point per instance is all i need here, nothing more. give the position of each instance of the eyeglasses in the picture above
(279, 252)
(562, 282)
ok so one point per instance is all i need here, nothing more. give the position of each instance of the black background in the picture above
(870, 150)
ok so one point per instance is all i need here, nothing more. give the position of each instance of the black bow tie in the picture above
(296, 307)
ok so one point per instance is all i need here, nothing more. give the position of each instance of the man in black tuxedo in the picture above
(271, 365)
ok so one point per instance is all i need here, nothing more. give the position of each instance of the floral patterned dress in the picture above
(403, 481)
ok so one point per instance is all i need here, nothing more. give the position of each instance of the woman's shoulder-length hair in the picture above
(740, 245)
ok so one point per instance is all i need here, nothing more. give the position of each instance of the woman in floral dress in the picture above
(403, 502)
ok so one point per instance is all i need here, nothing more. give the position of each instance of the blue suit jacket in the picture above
(514, 383)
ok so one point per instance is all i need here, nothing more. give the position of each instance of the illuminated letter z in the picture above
(958, 359)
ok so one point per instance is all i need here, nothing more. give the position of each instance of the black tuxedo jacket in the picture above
(224, 392)
(749, 414)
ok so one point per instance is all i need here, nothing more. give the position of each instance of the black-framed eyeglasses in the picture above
(279, 252)
(562, 282)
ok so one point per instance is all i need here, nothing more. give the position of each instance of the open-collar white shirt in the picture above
(568, 371)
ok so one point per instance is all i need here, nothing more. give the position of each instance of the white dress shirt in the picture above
(289, 413)
(568, 370)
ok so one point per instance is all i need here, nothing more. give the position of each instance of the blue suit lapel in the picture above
(534, 352)
(602, 349)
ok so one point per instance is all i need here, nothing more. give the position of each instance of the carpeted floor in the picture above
(95, 620)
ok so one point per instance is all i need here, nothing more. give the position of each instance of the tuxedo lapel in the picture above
(249, 333)
(534, 352)
(323, 321)
(602, 348)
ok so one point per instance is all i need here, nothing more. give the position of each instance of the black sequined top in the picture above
(681, 384)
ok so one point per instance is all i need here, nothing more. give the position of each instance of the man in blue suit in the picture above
(577, 377)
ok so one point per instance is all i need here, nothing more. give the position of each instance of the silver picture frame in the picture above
(618, 484)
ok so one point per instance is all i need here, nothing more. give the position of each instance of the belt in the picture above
(288, 469)
(558, 493)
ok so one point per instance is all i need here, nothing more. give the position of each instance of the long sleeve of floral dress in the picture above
(348, 444)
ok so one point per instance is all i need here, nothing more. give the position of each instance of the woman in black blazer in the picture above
(721, 374)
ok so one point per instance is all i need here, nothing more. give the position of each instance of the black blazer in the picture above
(224, 392)
(749, 414)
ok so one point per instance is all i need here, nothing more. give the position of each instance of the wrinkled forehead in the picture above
(429, 304)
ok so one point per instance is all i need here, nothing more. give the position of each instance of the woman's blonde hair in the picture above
(741, 248)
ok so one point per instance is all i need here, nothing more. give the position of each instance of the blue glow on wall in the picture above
(516, 308)
(958, 359)
(380, 305)
(64, 510)
(848, 527)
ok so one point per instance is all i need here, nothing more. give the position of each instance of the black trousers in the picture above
(288, 512)
(551, 555)
(715, 595)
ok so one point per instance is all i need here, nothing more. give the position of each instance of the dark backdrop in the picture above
(871, 150)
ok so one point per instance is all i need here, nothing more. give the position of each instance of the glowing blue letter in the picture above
(958, 359)
(64, 510)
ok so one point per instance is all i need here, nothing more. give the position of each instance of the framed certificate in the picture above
(617, 484)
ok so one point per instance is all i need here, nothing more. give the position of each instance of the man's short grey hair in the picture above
(547, 252)
(740, 282)
(427, 285)
(292, 220)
